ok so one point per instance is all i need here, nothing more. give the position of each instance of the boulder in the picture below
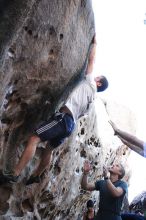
(44, 46)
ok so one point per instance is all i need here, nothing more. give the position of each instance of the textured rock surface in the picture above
(40, 56)
(60, 195)
(43, 46)
(139, 202)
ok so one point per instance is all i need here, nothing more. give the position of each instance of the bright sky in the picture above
(121, 56)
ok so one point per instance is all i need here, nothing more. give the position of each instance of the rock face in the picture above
(43, 46)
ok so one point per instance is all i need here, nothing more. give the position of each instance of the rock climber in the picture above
(61, 124)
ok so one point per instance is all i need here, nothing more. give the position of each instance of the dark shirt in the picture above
(108, 204)
(131, 217)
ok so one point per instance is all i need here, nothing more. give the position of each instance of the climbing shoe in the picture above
(33, 179)
(9, 178)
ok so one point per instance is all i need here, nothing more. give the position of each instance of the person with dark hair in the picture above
(104, 83)
(112, 190)
(130, 140)
(90, 213)
(61, 124)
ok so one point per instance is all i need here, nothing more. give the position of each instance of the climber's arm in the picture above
(133, 140)
(84, 216)
(91, 58)
(85, 185)
(132, 147)
(84, 181)
(128, 137)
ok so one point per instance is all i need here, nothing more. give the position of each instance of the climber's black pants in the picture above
(56, 129)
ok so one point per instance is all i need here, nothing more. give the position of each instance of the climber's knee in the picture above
(34, 139)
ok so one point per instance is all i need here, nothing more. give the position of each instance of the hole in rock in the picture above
(61, 36)
(83, 153)
(51, 51)
(94, 168)
(63, 190)
(27, 205)
(11, 50)
(77, 170)
(82, 131)
(68, 211)
(92, 139)
(51, 30)
(97, 144)
(29, 32)
(57, 169)
(25, 28)
(16, 81)
(57, 153)
(52, 207)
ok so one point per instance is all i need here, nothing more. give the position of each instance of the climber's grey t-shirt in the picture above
(107, 202)
(81, 97)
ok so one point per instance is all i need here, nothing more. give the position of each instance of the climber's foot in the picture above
(33, 179)
(8, 178)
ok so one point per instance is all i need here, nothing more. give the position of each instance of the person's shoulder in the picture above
(123, 185)
(122, 182)
(89, 77)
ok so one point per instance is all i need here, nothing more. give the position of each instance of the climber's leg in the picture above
(27, 154)
(60, 130)
(43, 165)
(45, 162)
(54, 130)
